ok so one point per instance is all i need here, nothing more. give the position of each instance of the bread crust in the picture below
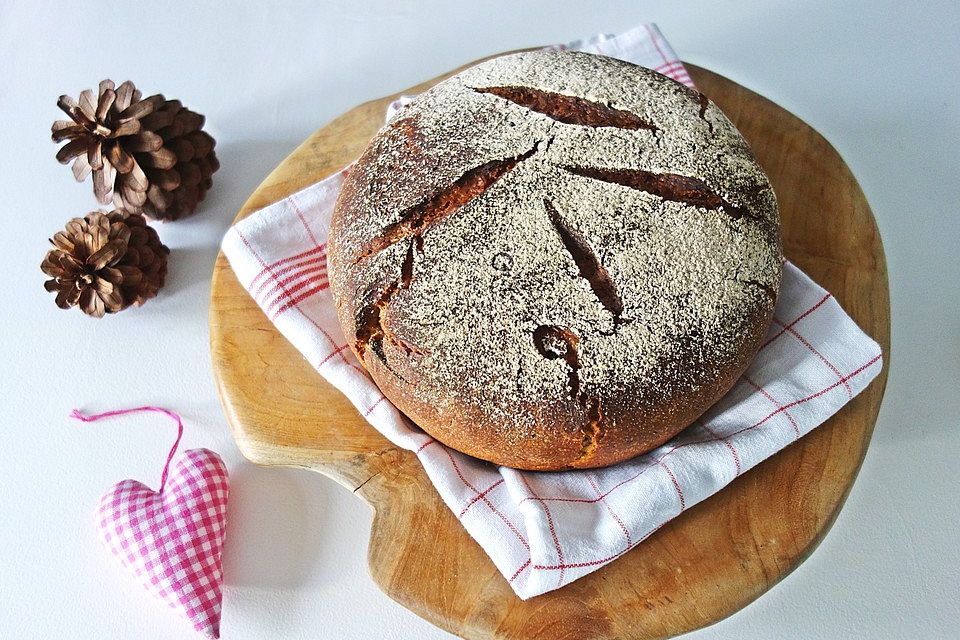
(555, 260)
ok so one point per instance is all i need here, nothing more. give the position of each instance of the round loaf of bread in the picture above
(555, 260)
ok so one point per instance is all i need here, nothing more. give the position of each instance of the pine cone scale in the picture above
(87, 105)
(81, 168)
(106, 255)
(103, 182)
(104, 86)
(66, 297)
(95, 154)
(158, 198)
(103, 287)
(113, 275)
(157, 120)
(138, 178)
(162, 158)
(167, 180)
(104, 103)
(120, 159)
(183, 148)
(128, 128)
(190, 174)
(91, 303)
(66, 130)
(145, 141)
(126, 95)
(136, 111)
(71, 150)
(133, 275)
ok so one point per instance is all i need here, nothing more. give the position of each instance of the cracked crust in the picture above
(556, 259)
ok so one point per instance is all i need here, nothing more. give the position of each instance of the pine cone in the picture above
(105, 262)
(147, 156)
(171, 192)
(104, 132)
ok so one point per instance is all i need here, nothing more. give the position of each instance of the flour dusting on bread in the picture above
(567, 191)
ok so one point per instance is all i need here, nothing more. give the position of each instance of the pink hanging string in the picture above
(77, 414)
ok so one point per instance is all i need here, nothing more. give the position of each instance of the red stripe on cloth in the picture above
(815, 395)
(795, 321)
(459, 473)
(553, 530)
(294, 302)
(775, 402)
(673, 66)
(306, 225)
(288, 288)
(676, 71)
(676, 485)
(593, 563)
(333, 343)
(320, 281)
(321, 260)
(519, 570)
(823, 358)
(373, 406)
(330, 355)
(780, 409)
(273, 265)
(733, 450)
(479, 496)
(613, 514)
(486, 500)
(579, 565)
(425, 445)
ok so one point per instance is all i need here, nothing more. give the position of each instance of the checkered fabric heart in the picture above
(172, 539)
(544, 530)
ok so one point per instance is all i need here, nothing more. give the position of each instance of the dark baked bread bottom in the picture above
(554, 447)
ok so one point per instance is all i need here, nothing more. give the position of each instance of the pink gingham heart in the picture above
(172, 539)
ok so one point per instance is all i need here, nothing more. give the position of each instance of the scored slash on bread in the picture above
(569, 109)
(555, 259)
(417, 219)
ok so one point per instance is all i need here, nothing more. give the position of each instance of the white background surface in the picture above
(878, 80)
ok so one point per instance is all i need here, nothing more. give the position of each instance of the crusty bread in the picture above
(556, 260)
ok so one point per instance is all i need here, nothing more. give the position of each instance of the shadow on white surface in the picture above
(189, 268)
(195, 240)
(243, 165)
(274, 530)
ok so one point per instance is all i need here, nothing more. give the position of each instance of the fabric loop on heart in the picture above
(78, 415)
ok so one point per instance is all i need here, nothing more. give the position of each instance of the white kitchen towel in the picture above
(544, 530)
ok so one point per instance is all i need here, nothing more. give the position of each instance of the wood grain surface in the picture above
(707, 563)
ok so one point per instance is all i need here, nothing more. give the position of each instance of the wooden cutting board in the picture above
(706, 564)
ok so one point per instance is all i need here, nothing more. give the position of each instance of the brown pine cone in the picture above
(148, 156)
(105, 262)
(104, 133)
(171, 192)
